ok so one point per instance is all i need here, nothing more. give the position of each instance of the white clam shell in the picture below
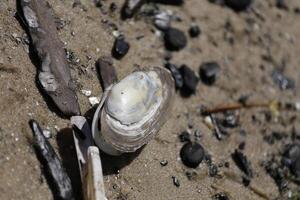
(133, 110)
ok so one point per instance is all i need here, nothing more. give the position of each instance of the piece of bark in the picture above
(60, 181)
(54, 73)
(107, 72)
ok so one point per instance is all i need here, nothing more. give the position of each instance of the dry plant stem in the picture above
(59, 178)
(234, 106)
(88, 159)
(53, 73)
(107, 72)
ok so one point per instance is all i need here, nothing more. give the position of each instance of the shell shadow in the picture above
(68, 156)
(111, 164)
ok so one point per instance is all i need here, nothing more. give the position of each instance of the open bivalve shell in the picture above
(133, 110)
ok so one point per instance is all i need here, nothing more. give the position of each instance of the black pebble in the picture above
(176, 75)
(231, 120)
(281, 4)
(208, 72)
(185, 137)
(291, 158)
(192, 154)
(120, 48)
(190, 81)
(175, 39)
(194, 31)
(164, 163)
(242, 162)
(176, 182)
(220, 196)
(168, 2)
(238, 5)
(282, 81)
(212, 170)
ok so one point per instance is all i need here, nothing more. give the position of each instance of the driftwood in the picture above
(54, 73)
(60, 181)
(88, 159)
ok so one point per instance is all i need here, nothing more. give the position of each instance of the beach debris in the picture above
(291, 158)
(194, 31)
(231, 119)
(208, 72)
(94, 101)
(120, 48)
(53, 73)
(212, 170)
(176, 75)
(164, 163)
(283, 82)
(89, 161)
(60, 181)
(190, 81)
(162, 20)
(238, 5)
(175, 39)
(220, 196)
(176, 181)
(242, 162)
(185, 136)
(192, 154)
(168, 2)
(131, 7)
(281, 4)
(137, 105)
(86, 93)
(218, 130)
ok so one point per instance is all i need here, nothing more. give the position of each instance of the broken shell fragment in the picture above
(132, 111)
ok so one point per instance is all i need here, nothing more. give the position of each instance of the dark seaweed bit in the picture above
(242, 162)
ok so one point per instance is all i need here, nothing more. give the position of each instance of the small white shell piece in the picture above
(132, 111)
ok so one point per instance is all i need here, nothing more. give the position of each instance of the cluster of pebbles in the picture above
(282, 167)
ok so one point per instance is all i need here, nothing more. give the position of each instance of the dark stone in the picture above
(231, 120)
(120, 48)
(175, 39)
(176, 182)
(273, 137)
(291, 158)
(282, 81)
(246, 181)
(194, 31)
(242, 162)
(208, 72)
(170, 2)
(185, 137)
(242, 146)
(238, 5)
(164, 163)
(220, 196)
(281, 4)
(212, 170)
(190, 81)
(191, 175)
(192, 154)
(113, 7)
(176, 75)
